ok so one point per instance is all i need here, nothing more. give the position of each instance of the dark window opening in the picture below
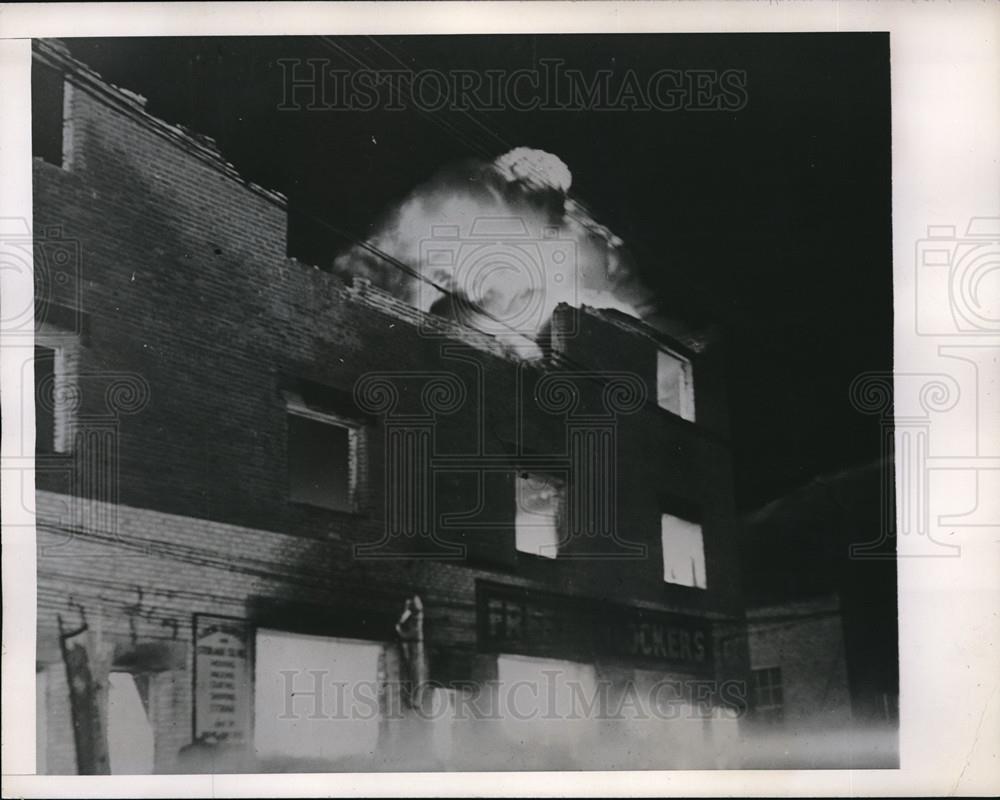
(45, 383)
(47, 88)
(320, 463)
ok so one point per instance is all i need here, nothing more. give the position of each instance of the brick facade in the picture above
(824, 612)
(806, 642)
(188, 323)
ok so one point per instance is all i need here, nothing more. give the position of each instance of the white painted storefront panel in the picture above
(130, 734)
(543, 702)
(315, 697)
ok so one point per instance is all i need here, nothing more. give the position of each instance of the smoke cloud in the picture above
(498, 245)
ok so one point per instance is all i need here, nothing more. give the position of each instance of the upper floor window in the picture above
(48, 94)
(45, 399)
(55, 365)
(683, 552)
(539, 513)
(675, 384)
(324, 455)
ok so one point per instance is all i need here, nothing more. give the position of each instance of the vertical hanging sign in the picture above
(223, 683)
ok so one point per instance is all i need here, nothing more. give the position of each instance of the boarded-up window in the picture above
(683, 552)
(315, 697)
(540, 500)
(674, 384)
(542, 702)
(130, 735)
(41, 721)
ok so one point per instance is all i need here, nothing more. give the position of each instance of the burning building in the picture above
(288, 521)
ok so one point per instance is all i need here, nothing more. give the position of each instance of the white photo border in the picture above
(945, 61)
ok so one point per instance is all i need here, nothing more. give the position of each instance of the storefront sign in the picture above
(517, 620)
(223, 686)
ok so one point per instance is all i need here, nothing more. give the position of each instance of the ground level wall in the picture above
(141, 580)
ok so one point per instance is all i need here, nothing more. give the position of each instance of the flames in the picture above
(498, 245)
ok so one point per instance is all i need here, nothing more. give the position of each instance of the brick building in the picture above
(246, 467)
(820, 588)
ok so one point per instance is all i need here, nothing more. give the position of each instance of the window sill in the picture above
(305, 505)
(684, 587)
(533, 558)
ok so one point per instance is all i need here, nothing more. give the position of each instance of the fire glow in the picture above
(497, 246)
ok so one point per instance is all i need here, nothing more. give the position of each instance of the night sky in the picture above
(773, 221)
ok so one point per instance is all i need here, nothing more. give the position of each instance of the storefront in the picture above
(271, 699)
(584, 684)
(551, 681)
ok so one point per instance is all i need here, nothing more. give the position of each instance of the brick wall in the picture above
(806, 641)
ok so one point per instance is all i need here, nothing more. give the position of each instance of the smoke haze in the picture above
(504, 238)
